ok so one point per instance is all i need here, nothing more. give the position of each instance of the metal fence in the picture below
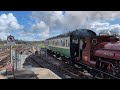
(43, 52)
(18, 59)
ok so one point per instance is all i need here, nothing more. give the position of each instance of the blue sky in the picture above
(40, 25)
(23, 17)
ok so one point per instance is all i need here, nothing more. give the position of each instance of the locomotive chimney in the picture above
(114, 39)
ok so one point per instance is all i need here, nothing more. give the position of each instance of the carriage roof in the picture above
(77, 32)
(60, 36)
(83, 33)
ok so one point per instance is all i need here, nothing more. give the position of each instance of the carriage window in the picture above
(61, 42)
(48, 42)
(53, 42)
(57, 43)
(66, 43)
(75, 41)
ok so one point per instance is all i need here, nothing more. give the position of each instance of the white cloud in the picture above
(54, 19)
(99, 24)
(49, 17)
(8, 23)
(105, 27)
(47, 22)
(72, 20)
(37, 31)
(41, 29)
(27, 37)
(3, 35)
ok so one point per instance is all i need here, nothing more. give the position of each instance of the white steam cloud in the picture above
(98, 21)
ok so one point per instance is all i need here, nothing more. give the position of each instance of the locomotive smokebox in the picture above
(114, 39)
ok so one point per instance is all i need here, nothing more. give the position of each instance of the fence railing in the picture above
(18, 59)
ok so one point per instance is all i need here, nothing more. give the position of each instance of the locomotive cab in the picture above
(77, 47)
(78, 43)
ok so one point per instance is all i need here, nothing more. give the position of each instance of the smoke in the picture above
(105, 28)
(71, 20)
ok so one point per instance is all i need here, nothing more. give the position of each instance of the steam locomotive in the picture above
(98, 54)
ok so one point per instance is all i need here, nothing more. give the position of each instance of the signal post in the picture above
(10, 42)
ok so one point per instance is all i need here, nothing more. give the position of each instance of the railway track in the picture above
(4, 61)
(45, 64)
(4, 58)
(37, 62)
(70, 71)
(68, 68)
(3, 53)
(91, 77)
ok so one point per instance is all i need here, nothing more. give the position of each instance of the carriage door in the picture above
(80, 48)
(74, 47)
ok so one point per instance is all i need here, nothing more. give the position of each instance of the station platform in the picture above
(2, 77)
(35, 73)
(43, 73)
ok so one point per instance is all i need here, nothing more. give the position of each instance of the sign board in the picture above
(10, 40)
